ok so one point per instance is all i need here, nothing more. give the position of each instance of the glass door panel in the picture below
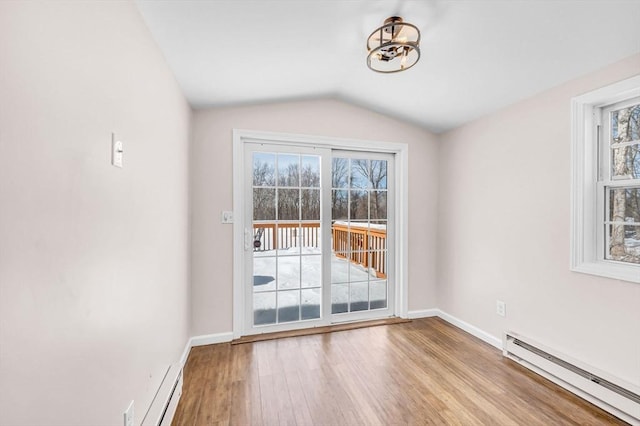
(286, 226)
(359, 237)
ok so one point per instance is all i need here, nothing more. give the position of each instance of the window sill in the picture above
(610, 269)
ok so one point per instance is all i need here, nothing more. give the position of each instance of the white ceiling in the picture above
(477, 56)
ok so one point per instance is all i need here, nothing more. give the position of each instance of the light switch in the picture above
(117, 151)
(226, 217)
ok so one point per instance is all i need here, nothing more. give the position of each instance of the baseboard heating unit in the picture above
(166, 400)
(611, 394)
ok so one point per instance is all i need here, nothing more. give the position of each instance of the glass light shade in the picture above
(394, 46)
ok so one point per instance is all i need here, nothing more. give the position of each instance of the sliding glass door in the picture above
(317, 234)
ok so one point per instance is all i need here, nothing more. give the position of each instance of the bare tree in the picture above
(375, 173)
(619, 195)
(339, 180)
(264, 198)
(264, 204)
(633, 160)
(289, 175)
(309, 177)
(263, 174)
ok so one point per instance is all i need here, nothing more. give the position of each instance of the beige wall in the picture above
(503, 233)
(211, 185)
(93, 259)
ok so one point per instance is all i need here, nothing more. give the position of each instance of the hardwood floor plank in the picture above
(214, 405)
(298, 399)
(193, 385)
(425, 372)
(268, 400)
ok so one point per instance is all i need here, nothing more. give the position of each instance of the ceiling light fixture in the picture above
(393, 47)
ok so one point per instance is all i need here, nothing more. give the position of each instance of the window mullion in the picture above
(626, 183)
(602, 237)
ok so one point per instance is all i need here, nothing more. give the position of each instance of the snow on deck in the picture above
(307, 262)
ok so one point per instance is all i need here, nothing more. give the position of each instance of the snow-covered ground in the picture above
(632, 249)
(632, 246)
(362, 225)
(349, 283)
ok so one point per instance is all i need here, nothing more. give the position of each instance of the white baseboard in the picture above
(185, 353)
(205, 339)
(471, 329)
(211, 339)
(422, 313)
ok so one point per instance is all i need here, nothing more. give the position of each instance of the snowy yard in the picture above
(632, 246)
(297, 276)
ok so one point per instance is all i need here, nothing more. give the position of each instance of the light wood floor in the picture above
(423, 372)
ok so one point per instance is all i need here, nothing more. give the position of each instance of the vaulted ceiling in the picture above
(477, 56)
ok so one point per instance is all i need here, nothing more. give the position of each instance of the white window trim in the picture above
(401, 151)
(584, 182)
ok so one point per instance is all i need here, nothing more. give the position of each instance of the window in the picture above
(606, 181)
(620, 181)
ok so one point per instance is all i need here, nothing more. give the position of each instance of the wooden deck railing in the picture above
(285, 235)
(360, 245)
(366, 247)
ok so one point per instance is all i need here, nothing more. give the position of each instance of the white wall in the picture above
(93, 259)
(503, 233)
(211, 185)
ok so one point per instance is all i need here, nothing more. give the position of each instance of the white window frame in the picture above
(587, 201)
(401, 151)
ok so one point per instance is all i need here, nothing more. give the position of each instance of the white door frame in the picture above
(243, 241)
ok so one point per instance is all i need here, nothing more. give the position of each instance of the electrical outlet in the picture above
(501, 308)
(128, 415)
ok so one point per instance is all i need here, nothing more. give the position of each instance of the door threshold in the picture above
(318, 330)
